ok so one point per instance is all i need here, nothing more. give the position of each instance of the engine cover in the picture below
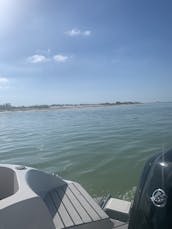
(152, 206)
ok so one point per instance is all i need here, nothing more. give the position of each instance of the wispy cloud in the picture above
(43, 52)
(37, 59)
(3, 82)
(61, 58)
(86, 33)
(78, 32)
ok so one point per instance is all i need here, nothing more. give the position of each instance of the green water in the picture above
(102, 148)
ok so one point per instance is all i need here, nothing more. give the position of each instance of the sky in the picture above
(85, 51)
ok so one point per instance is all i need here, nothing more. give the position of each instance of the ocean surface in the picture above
(103, 148)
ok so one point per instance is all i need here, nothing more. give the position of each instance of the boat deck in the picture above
(71, 206)
(119, 225)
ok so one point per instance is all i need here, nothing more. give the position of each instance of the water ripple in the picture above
(103, 148)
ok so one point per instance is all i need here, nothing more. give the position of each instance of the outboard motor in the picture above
(152, 206)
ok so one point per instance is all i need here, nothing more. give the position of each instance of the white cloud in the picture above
(3, 82)
(78, 32)
(61, 58)
(37, 59)
(87, 33)
(73, 32)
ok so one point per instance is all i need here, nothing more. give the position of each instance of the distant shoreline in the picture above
(8, 107)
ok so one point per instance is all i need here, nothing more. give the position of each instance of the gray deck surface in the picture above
(119, 225)
(71, 206)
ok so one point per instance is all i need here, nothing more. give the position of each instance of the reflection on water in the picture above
(103, 148)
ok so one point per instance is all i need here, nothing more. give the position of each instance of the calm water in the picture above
(102, 148)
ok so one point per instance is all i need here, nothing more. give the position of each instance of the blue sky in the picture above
(85, 51)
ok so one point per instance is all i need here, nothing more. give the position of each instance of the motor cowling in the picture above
(152, 206)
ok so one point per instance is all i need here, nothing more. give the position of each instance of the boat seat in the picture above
(72, 207)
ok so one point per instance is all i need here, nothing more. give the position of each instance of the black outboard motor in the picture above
(152, 206)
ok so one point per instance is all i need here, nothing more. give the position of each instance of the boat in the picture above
(33, 199)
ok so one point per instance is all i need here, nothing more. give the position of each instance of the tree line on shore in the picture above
(10, 107)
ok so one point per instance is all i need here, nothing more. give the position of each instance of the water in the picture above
(102, 148)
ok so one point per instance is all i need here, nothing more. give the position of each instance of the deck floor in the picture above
(119, 225)
(72, 206)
